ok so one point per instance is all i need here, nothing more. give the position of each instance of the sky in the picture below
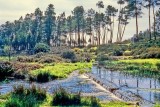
(11, 10)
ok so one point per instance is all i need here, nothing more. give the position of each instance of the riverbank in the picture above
(136, 67)
(75, 83)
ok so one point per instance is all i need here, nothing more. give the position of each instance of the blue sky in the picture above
(11, 10)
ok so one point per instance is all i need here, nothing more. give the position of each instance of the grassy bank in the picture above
(140, 67)
(35, 97)
(60, 70)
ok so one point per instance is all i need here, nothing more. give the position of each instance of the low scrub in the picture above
(43, 77)
(47, 60)
(6, 69)
(158, 66)
(68, 55)
(62, 98)
(127, 53)
(102, 57)
(26, 97)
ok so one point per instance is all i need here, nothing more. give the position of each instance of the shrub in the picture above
(68, 55)
(47, 60)
(102, 57)
(158, 66)
(41, 47)
(25, 59)
(77, 50)
(6, 69)
(63, 98)
(127, 53)
(93, 49)
(26, 97)
(117, 53)
(43, 77)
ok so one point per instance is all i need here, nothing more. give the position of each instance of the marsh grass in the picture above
(61, 70)
(26, 97)
(63, 98)
(117, 104)
(136, 67)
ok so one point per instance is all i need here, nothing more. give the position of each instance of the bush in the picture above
(63, 98)
(102, 57)
(6, 69)
(26, 97)
(25, 59)
(158, 66)
(127, 53)
(68, 55)
(41, 47)
(47, 60)
(43, 77)
(117, 53)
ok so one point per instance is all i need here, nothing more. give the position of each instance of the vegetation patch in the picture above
(26, 97)
(6, 69)
(62, 98)
(136, 67)
(60, 70)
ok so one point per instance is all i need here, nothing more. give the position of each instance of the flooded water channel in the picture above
(147, 88)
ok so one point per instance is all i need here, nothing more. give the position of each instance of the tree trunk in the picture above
(123, 32)
(70, 38)
(104, 36)
(150, 35)
(154, 23)
(136, 20)
(118, 32)
(79, 39)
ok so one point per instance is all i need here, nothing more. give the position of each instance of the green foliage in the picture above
(158, 66)
(61, 70)
(117, 104)
(127, 53)
(43, 77)
(22, 97)
(6, 50)
(41, 47)
(137, 67)
(68, 55)
(102, 57)
(82, 71)
(113, 49)
(62, 98)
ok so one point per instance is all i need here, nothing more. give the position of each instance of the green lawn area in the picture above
(61, 70)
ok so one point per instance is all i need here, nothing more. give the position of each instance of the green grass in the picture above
(61, 70)
(117, 104)
(35, 97)
(3, 58)
(157, 105)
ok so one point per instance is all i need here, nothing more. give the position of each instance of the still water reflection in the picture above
(147, 88)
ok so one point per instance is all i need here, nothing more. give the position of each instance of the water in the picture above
(147, 88)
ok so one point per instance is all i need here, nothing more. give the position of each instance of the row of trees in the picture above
(39, 27)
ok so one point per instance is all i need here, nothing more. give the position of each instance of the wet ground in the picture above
(146, 88)
(74, 83)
